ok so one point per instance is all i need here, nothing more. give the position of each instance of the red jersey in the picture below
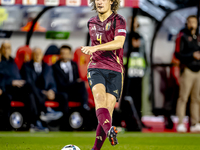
(103, 32)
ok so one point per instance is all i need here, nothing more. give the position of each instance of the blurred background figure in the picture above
(40, 76)
(14, 78)
(67, 77)
(4, 99)
(14, 88)
(136, 70)
(189, 56)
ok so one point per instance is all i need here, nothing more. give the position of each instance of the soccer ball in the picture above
(70, 147)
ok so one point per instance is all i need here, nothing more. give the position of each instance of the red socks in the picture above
(105, 123)
(104, 119)
(100, 138)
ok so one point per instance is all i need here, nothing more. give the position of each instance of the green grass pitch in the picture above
(85, 140)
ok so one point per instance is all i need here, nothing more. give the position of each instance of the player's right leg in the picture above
(102, 113)
(97, 84)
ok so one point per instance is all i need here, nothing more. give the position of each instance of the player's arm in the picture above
(117, 43)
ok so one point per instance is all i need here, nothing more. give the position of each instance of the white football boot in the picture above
(181, 128)
(195, 128)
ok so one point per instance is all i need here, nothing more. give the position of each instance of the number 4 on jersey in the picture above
(99, 38)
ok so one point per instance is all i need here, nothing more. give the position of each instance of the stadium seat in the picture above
(16, 104)
(82, 61)
(51, 55)
(74, 104)
(17, 117)
(51, 104)
(23, 55)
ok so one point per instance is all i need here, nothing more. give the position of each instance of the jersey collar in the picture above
(113, 14)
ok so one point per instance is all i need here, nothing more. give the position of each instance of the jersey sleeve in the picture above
(120, 29)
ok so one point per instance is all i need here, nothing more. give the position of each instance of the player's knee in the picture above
(100, 100)
(100, 97)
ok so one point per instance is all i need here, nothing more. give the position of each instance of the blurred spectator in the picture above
(13, 86)
(4, 99)
(11, 82)
(40, 76)
(189, 56)
(136, 68)
(12, 72)
(67, 77)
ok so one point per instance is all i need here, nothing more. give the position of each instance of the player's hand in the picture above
(196, 55)
(88, 50)
(18, 83)
(1, 92)
(51, 95)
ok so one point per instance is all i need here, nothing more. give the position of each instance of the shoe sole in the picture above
(113, 139)
(194, 131)
(181, 131)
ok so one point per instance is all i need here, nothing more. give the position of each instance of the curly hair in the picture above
(114, 6)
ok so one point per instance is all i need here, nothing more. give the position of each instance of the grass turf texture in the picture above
(85, 140)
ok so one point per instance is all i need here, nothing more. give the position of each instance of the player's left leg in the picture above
(100, 138)
(112, 133)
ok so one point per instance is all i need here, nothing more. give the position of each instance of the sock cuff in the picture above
(101, 111)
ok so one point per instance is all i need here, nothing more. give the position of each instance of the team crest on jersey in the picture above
(108, 26)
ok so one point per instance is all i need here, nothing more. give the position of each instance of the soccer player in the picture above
(105, 70)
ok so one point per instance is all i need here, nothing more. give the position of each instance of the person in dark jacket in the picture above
(67, 77)
(40, 76)
(11, 81)
(4, 99)
(14, 87)
(11, 72)
(188, 52)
